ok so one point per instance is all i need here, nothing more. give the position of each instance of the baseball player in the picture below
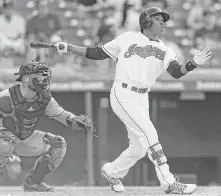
(141, 58)
(21, 108)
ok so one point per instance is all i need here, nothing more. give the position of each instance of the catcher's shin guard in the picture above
(48, 161)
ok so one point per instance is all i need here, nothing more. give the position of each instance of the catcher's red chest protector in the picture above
(21, 116)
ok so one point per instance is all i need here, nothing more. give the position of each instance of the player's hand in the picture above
(200, 57)
(61, 47)
(82, 123)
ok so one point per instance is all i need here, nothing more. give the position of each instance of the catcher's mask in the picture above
(39, 75)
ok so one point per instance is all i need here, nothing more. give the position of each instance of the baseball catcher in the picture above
(21, 108)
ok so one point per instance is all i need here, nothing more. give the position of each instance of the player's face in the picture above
(40, 82)
(158, 24)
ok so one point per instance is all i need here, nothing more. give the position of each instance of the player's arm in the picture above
(94, 53)
(108, 50)
(82, 122)
(177, 70)
(56, 112)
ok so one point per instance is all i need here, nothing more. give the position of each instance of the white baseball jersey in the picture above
(140, 61)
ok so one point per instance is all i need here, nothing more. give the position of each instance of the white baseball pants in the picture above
(133, 110)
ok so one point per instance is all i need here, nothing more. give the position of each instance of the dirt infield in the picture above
(105, 191)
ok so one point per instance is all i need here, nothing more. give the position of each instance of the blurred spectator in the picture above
(117, 4)
(12, 31)
(91, 5)
(201, 19)
(42, 26)
(137, 4)
(105, 30)
(162, 4)
(209, 20)
(217, 26)
(130, 18)
(88, 3)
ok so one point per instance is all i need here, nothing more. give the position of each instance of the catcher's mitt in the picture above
(84, 122)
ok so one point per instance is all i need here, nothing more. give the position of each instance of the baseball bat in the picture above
(36, 44)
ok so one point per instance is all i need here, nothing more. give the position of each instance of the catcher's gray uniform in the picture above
(19, 118)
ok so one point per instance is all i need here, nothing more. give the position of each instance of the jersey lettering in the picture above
(145, 52)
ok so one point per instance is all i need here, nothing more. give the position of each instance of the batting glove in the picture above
(61, 47)
(200, 57)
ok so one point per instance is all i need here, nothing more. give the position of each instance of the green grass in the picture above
(106, 191)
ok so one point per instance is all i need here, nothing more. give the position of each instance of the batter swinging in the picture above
(141, 58)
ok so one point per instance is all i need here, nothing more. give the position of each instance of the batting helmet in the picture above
(145, 20)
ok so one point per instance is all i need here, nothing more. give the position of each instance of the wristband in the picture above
(191, 65)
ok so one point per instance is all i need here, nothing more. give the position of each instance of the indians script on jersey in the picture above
(145, 51)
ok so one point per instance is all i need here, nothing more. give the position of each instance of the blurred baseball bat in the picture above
(36, 44)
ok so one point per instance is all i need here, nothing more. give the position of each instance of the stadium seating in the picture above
(78, 29)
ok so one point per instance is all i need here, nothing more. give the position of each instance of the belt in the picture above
(135, 89)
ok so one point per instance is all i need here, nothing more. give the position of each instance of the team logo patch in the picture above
(145, 52)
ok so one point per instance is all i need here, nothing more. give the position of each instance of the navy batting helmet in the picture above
(145, 20)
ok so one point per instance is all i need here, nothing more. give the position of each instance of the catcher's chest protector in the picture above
(25, 114)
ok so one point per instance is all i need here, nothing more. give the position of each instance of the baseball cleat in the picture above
(42, 187)
(115, 183)
(180, 188)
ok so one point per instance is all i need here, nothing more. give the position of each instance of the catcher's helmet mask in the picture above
(36, 70)
(145, 20)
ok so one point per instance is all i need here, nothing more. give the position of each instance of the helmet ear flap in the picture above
(145, 21)
(149, 22)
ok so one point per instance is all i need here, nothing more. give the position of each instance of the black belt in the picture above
(135, 89)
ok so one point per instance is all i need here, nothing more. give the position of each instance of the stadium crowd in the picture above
(93, 22)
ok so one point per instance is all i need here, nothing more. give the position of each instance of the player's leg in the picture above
(7, 145)
(119, 167)
(133, 110)
(157, 156)
(51, 148)
(141, 132)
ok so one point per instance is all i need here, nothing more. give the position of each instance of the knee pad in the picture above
(157, 154)
(54, 140)
(7, 143)
(57, 150)
(7, 137)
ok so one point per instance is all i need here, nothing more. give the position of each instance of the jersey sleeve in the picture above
(113, 47)
(56, 112)
(169, 57)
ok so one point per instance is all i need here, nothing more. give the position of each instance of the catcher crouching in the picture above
(21, 108)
